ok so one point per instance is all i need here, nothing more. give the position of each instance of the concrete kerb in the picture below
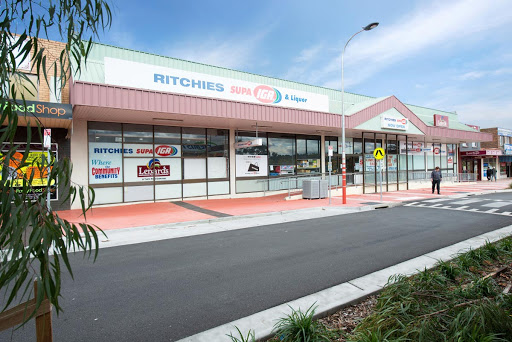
(330, 300)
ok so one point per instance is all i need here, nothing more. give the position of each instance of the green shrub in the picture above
(300, 327)
(241, 338)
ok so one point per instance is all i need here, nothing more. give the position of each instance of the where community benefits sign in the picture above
(33, 170)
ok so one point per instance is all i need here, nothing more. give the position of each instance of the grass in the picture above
(452, 302)
(301, 327)
(241, 337)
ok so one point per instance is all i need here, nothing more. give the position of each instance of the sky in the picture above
(451, 55)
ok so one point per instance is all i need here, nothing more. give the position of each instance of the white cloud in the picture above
(473, 75)
(486, 106)
(234, 53)
(307, 55)
(428, 28)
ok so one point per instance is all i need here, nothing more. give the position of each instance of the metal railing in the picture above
(295, 182)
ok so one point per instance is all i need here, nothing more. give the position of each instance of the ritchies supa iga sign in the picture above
(153, 77)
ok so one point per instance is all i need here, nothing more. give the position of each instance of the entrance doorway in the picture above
(472, 165)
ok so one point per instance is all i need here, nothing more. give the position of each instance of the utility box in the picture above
(314, 188)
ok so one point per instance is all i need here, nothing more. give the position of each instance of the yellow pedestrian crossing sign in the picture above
(379, 153)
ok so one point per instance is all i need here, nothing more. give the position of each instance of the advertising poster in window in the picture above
(146, 150)
(414, 148)
(144, 169)
(106, 162)
(32, 169)
(392, 162)
(369, 163)
(251, 165)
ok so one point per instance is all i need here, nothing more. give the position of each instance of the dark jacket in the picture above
(436, 175)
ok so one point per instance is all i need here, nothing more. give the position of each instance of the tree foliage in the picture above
(34, 240)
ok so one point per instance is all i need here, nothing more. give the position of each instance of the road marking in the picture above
(436, 205)
(437, 200)
(468, 201)
(474, 209)
(496, 204)
(491, 211)
(462, 208)
(506, 213)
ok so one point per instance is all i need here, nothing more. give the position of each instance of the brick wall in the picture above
(495, 140)
(52, 50)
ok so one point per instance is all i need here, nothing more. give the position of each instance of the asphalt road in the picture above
(167, 290)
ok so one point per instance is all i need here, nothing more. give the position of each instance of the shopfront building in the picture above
(501, 140)
(47, 106)
(158, 128)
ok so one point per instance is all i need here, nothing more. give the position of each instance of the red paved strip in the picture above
(134, 215)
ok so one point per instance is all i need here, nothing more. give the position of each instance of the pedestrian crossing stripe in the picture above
(379, 153)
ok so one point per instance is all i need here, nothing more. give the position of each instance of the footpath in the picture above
(193, 211)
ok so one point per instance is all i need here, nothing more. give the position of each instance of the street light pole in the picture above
(343, 160)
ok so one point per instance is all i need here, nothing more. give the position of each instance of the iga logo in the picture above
(166, 151)
(267, 94)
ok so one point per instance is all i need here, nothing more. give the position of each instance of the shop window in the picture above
(167, 135)
(25, 86)
(369, 146)
(308, 157)
(358, 146)
(253, 150)
(281, 158)
(301, 148)
(194, 168)
(137, 134)
(392, 147)
(194, 136)
(105, 153)
(218, 143)
(313, 148)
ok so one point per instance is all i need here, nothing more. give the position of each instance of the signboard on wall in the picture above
(505, 132)
(391, 122)
(43, 109)
(481, 153)
(441, 120)
(39, 182)
(251, 165)
(508, 149)
(153, 77)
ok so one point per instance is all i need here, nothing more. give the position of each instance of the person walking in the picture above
(494, 173)
(436, 177)
(489, 173)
